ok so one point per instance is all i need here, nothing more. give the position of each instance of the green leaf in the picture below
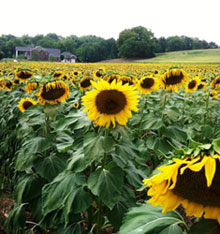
(153, 124)
(74, 228)
(16, 219)
(49, 167)
(64, 141)
(28, 188)
(93, 148)
(78, 200)
(77, 161)
(56, 193)
(146, 219)
(176, 133)
(38, 144)
(107, 184)
(216, 145)
(24, 160)
(205, 226)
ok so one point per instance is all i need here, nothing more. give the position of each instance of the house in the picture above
(67, 57)
(39, 53)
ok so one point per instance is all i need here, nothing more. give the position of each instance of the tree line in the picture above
(137, 42)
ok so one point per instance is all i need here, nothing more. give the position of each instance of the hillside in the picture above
(186, 56)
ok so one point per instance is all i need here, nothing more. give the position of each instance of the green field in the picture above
(186, 56)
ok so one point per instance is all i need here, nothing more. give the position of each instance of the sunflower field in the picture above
(109, 148)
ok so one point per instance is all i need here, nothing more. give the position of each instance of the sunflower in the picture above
(85, 83)
(126, 80)
(24, 75)
(113, 77)
(32, 86)
(214, 94)
(76, 73)
(193, 85)
(201, 86)
(25, 103)
(76, 105)
(99, 73)
(173, 79)
(194, 183)
(215, 84)
(148, 85)
(58, 74)
(53, 92)
(7, 84)
(109, 102)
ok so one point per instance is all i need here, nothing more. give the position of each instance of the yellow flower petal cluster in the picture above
(194, 183)
(26, 103)
(110, 101)
(53, 92)
(148, 85)
(174, 79)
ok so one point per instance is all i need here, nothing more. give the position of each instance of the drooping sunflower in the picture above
(32, 86)
(7, 84)
(24, 75)
(58, 74)
(99, 73)
(113, 77)
(126, 80)
(215, 83)
(76, 105)
(194, 183)
(25, 103)
(53, 92)
(85, 83)
(148, 85)
(173, 79)
(193, 85)
(110, 102)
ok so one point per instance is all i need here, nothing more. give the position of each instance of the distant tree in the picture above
(52, 58)
(137, 42)
(2, 54)
(161, 45)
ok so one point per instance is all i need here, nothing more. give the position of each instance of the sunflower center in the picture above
(110, 102)
(27, 104)
(25, 75)
(57, 74)
(53, 93)
(147, 83)
(8, 84)
(174, 79)
(85, 83)
(193, 186)
(98, 74)
(200, 86)
(192, 84)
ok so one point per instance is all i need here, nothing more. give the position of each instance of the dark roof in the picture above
(65, 54)
(53, 51)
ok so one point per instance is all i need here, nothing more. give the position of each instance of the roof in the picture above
(65, 54)
(53, 51)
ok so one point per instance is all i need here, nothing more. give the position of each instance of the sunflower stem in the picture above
(163, 103)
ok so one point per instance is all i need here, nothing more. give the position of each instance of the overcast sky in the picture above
(193, 18)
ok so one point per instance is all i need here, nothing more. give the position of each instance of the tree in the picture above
(137, 42)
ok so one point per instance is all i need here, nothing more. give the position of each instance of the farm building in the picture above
(44, 54)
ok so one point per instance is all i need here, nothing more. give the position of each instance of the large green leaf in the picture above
(176, 133)
(93, 148)
(107, 184)
(16, 219)
(64, 141)
(216, 145)
(205, 226)
(57, 192)
(28, 188)
(49, 167)
(78, 200)
(146, 219)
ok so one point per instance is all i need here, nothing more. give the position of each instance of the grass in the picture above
(187, 56)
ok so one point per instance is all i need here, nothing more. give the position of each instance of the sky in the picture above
(193, 18)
